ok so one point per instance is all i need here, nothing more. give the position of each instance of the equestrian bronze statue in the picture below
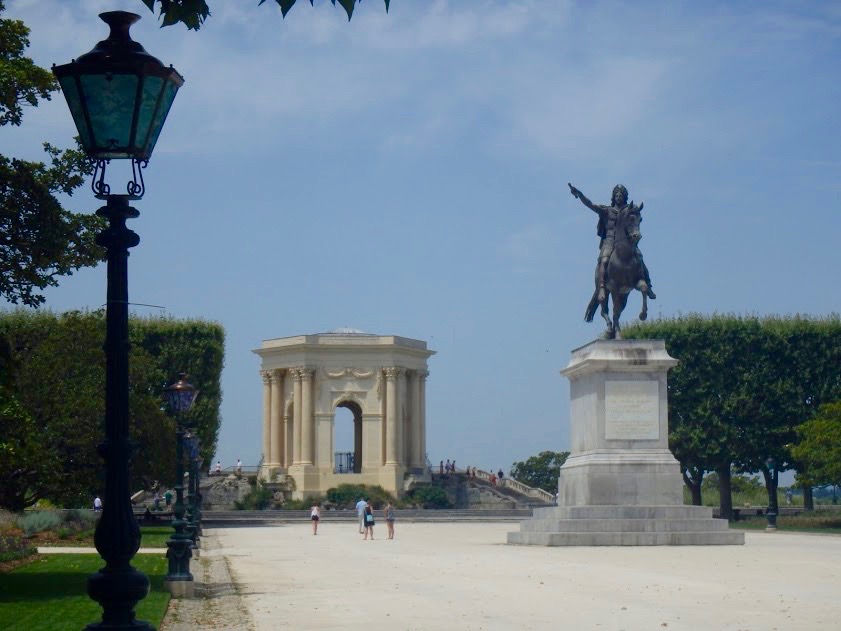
(620, 267)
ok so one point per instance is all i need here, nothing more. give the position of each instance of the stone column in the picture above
(287, 439)
(296, 416)
(415, 422)
(276, 420)
(267, 405)
(422, 375)
(307, 419)
(390, 415)
(402, 434)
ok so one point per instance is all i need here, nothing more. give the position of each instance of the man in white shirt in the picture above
(360, 512)
(97, 503)
(239, 466)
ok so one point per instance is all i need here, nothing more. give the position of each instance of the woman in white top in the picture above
(315, 515)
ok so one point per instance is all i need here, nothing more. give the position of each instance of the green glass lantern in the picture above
(119, 95)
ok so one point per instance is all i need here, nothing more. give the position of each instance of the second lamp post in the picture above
(180, 397)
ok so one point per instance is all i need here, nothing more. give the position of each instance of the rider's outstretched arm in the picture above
(580, 196)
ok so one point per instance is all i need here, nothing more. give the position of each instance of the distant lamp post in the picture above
(773, 507)
(180, 397)
(119, 97)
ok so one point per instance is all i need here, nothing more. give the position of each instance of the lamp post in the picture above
(773, 507)
(190, 528)
(180, 397)
(119, 97)
(193, 509)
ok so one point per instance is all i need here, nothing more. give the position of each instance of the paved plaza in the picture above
(448, 576)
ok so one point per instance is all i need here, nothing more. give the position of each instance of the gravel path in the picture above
(459, 576)
(217, 605)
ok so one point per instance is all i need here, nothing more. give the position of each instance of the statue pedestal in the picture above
(621, 485)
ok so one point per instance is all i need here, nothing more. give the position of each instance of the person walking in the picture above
(315, 517)
(168, 499)
(369, 522)
(97, 504)
(441, 470)
(239, 467)
(447, 466)
(360, 514)
(218, 467)
(388, 513)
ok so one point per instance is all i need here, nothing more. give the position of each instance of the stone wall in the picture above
(223, 494)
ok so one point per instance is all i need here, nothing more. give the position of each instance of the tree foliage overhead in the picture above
(52, 404)
(40, 240)
(21, 81)
(819, 445)
(541, 471)
(193, 13)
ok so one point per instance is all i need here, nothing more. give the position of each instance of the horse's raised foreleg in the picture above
(620, 299)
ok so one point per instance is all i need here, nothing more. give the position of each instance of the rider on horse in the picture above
(606, 230)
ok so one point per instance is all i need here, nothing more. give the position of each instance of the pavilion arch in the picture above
(380, 379)
(340, 465)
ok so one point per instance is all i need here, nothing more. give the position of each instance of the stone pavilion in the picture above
(380, 379)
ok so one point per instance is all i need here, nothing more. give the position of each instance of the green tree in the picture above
(40, 240)
(193, 13)
(819, 445)
(742, 385)
(541, 471)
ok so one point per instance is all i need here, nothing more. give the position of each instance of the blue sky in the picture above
(407, 174)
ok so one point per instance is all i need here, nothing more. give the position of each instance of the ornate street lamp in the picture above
(773, 508)
(180, 397)
(119, 97)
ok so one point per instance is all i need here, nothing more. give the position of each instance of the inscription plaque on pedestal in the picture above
(632, 410)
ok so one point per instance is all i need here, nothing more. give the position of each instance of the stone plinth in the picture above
(621, 485)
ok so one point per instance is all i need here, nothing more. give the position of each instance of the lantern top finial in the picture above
(118, 47)
(120, 23)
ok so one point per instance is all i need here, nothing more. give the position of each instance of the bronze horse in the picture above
(624, 272)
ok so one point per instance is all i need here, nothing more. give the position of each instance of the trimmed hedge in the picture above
(52, 400)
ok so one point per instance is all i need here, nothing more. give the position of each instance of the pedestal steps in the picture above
(722, 538)
(624, 526)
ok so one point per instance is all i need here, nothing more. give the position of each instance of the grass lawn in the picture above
(50, 593)
(151, 537)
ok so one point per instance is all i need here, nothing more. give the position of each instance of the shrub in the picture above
(8, 521)
(347, 495)
(12, 548)
(259, 498)
(80, 519)
(35, 522)
(64, 533)
(430, 497)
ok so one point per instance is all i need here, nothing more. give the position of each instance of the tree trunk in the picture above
(808, 498)
(692, 478)
(725, 500)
